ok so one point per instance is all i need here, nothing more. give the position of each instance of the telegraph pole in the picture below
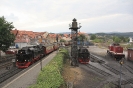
(74, 48)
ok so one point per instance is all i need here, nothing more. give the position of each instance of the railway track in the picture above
(9, 74)
(102, 63)
(117, 72)
(96, 59)
(128, 68)
(124, 82)
(6, 65)
(98, 70)
(7, 58)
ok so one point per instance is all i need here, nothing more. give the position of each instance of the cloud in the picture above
(51, 15)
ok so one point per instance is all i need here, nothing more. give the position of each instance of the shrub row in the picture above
(50, 76)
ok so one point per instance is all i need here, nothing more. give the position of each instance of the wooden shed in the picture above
(130, 54)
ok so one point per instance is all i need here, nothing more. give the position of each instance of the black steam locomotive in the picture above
(27, 56)
(83, 55)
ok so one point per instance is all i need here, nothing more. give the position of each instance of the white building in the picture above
(130, 39)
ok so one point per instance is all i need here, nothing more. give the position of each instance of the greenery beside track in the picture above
(50, 76)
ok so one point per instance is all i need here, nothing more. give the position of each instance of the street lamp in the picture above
(74, 49)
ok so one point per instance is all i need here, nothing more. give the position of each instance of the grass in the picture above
(50, 76)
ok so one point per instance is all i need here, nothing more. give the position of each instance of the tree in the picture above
(93, 37)
(62, 40)
(81, 37)
(117, 39)
(123, 39)
(6, 37)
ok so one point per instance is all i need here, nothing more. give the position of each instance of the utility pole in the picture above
(74, 48)
(121, 63)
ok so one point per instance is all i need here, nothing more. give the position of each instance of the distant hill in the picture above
(64, 33)
(126, 34)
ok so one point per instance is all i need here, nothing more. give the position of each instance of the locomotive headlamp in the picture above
(25, 60)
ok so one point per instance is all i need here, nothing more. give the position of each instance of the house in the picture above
(40, 37)
(52, 37)
(66, 37)
(22, 37)
(130, 39)
(19, 43)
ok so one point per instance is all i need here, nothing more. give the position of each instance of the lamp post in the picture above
(74, 48)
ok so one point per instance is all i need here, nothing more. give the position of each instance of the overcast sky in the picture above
(56, 15)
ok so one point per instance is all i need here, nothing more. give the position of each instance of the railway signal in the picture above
(74, 48)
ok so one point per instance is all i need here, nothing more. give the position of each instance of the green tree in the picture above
(62, 40)
(6, 37)
(117, 39)
(93, 37)
(81, 37)
(98, 40)
(127, 39)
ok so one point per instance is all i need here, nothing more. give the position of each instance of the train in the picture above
(83, 55)
(30, 54)
(130, 54)
(116, 51)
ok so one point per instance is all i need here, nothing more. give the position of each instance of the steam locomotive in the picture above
(83, 55)
(30, 54)
(116, 51)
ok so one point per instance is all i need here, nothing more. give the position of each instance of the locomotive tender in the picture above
(116, 51)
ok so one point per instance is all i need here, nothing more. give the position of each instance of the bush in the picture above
(50, 76)
(98, 40)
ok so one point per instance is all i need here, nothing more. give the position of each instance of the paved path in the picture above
(27, 77)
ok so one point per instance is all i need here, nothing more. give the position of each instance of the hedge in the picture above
(50, 76)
